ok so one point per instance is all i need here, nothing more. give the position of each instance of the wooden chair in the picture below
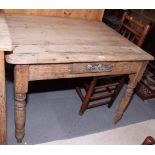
(96, 90)
(134, 31)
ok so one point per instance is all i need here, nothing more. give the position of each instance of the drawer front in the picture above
(105, 67)
(72, 70)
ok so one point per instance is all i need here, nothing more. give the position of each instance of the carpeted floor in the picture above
(133, 134)
(52, 113)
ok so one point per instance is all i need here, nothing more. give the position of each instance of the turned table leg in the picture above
(133, 80)
(21, 75)
(3, 130)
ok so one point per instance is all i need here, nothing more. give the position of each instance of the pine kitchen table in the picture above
(55, 47)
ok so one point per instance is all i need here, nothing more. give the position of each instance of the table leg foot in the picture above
(19, 135)
(81, 113)
(117, 117)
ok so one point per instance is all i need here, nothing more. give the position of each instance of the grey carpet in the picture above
(52, 113)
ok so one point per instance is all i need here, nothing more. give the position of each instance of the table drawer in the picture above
(54, 71)
(119, 67)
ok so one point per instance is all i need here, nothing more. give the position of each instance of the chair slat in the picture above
(98, 104)
(136, 22)
(106, 85)
(131, 30)
(124, 33)
(99, 96)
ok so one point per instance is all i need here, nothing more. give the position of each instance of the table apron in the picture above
(73, 70)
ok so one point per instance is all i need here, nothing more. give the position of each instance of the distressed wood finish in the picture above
(133, 80)
(3, 131)
(52, 47)
(55, 71)
(33, 54)
(91, 14)
(21, 77)
(5, 44)
(42, 42)
(5, 38)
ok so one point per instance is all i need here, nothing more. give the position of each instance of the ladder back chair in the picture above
(133, 29)
(109, 88)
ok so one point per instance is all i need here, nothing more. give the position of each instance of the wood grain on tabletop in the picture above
(55, 40)
(5, 38)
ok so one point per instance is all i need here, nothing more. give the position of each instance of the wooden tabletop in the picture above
(5, 39)
(37, 39)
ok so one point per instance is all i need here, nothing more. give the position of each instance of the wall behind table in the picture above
(91, 14)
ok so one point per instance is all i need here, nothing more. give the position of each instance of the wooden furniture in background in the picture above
(99, 88)
(6, 45)
(134, 31)
(137, 31)
(90, 14)
(146, 88)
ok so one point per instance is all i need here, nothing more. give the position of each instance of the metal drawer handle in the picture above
(100, 67)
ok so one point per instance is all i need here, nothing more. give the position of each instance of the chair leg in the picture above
(87, 96)
(21, 88)
(114, 96)
(79, 92)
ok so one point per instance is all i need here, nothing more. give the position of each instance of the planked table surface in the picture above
(37, 39)
(54, 40)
